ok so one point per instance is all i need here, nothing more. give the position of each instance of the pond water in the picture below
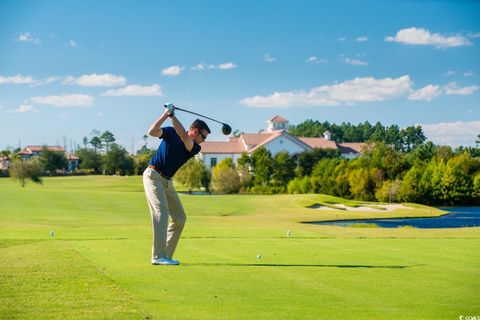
(458, 217)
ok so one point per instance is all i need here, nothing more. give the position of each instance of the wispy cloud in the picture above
(458, 133)
(18, 79)
(316, 60)
(72, 100)
(25, 108)
(341, 39)
(362, 39)
(348, 92)
(72, 44)
(221, 66)
(427, 93)
(430, 92)
(227, 66)
(474, 35)
(135, 90)
(355, 62)
(27, 37)
(420, 36)
(453, 88)
(46, 81)
(172, 71)
(96, 80)
(268, 58)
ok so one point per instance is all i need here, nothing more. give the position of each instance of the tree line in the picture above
(409, 171)
(401, 139)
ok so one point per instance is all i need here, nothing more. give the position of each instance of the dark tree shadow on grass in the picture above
(346, 266)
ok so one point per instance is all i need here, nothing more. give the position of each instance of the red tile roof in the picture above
(352, 147)
(321, 143)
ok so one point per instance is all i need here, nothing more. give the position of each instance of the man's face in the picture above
(200, 136)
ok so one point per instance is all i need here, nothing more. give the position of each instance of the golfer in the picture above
(176, 147)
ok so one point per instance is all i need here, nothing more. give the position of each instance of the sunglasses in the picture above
(204, 137)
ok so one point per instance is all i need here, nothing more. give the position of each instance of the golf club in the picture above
(226, 129)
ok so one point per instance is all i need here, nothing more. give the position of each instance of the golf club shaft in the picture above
(200, 115)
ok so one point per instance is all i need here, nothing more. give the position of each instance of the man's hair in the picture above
(200, 125)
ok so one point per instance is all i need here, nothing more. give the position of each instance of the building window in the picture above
(213, 162)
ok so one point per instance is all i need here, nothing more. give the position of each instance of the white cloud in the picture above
(342, 39)
(27, 37)
(227, 65)
(431, 92)
(72, 44)
(18, 79)
(72, 100)
(96, 80)
(135, 90)
(222, 66)
(314, 59)
(347, 92)
(427, 93)
(199, 66)
(452, 88)
(26, 108)
(452, 133)
(268, 58)
(355, 62)
(362, 39)
(469, 73)
(474, 34)
(422, 36)
(49, 80)
(172, 71)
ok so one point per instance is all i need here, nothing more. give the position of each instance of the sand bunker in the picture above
(375, 208)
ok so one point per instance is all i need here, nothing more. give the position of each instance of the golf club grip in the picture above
(197, 114)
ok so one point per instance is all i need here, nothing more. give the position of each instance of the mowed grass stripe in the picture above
(49, 280)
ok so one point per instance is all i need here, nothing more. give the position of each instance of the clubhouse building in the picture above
(275, 139)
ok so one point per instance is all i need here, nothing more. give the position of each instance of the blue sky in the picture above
(69, 67)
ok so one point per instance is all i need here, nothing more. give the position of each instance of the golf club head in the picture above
(226, 129)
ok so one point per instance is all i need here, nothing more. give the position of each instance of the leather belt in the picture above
(159, 172)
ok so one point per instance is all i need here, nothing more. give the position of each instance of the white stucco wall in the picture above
(219, 156)
(282, 143)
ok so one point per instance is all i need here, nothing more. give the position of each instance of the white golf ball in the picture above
(259, 256)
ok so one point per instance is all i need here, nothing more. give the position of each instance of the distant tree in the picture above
(51, 161)
(477, 142)
(412, 137)
(308, 159)
(96, 143)
(389, 191)
(283, 169)
(26, 170)
(225, 178)
(89, 160)
(85, 142)
(107, 139)
(194, 174)
(262, 166)
(117, 161)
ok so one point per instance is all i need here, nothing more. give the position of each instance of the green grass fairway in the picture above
(97, 266)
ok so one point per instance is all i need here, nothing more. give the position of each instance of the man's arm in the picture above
(187, 141)
(156, 127)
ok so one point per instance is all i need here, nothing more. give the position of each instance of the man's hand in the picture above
(170, 108)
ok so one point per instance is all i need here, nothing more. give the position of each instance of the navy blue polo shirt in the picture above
(171, 153)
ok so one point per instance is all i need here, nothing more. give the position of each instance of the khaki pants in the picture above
(163, 202)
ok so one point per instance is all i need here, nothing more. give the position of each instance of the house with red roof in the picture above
(34, 151)
(275, 139)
